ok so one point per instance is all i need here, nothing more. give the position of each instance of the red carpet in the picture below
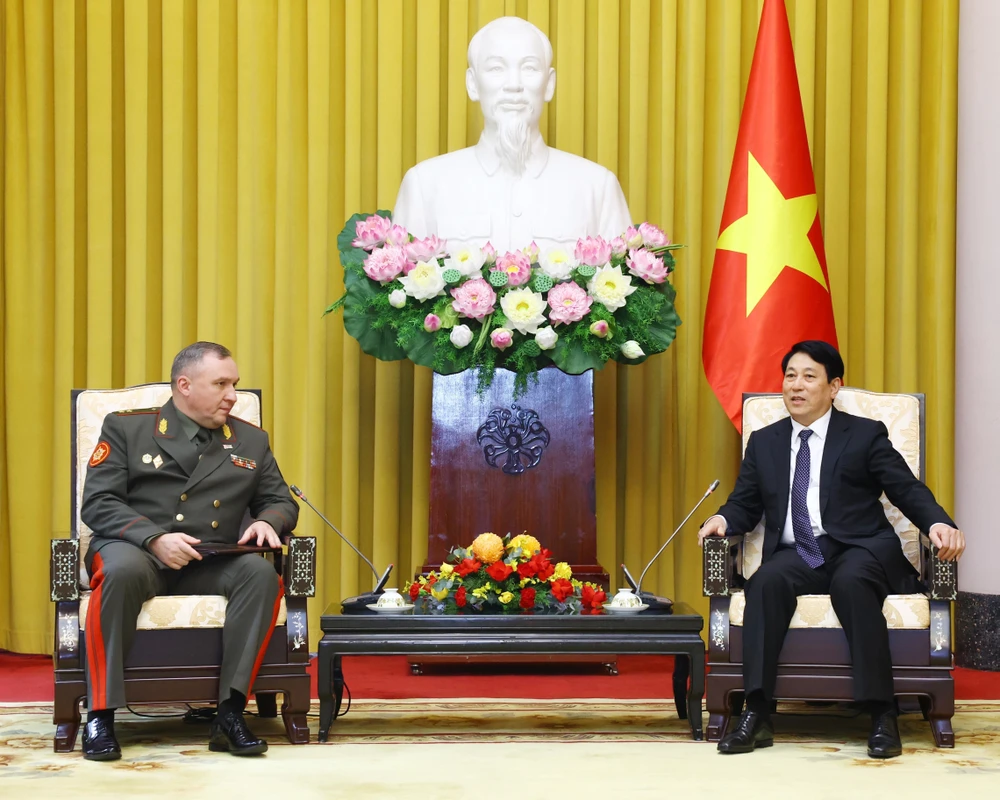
(29, 679)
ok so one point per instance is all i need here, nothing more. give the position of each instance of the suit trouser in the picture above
(124, 576)
(857, 585)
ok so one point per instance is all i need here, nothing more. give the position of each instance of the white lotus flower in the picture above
(524, 309)
(610, 287)
(631, 349)
(397, 298)
(460, 336)
(546, 337)
(424, 281)
(468, 260)
(557, 263)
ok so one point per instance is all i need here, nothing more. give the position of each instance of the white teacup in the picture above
(390, 598)
(625, 599)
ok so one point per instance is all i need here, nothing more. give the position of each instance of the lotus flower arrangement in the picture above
(510, 575)
(453, 309)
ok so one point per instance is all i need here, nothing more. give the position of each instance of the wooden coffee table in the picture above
(676, 634)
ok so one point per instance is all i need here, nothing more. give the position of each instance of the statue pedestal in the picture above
(505, 465)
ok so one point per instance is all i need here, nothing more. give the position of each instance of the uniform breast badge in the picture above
(244, 463)
(147, 458)
(158, 461)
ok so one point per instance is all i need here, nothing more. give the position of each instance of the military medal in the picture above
(158, 461)
(245, 463)
(147, 459)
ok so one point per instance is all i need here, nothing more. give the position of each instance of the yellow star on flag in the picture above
(774, 234)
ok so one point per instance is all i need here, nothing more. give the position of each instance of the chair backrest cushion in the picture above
(88, 411)
(902, 415)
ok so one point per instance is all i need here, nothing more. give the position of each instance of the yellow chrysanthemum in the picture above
(506, 597)
(563, 571)
(529, 544)
(488, 548)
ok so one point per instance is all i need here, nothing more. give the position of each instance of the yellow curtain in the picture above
(175, 170)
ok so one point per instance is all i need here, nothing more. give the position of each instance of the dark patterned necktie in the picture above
(805, 541)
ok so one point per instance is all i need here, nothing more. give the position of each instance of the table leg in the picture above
(697, 692)
(338, 686)
(324, 686)
(682, 670)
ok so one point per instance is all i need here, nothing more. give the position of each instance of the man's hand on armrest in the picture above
(714, 526)
(949, 541)
(174, 549)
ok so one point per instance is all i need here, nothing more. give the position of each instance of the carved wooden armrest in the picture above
(64, 570)
(300, 567)
(940, 576)
(719, 561)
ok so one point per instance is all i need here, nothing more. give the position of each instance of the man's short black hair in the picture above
(822, 353)
(193, 354)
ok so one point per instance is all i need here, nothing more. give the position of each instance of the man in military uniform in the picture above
(159, 482)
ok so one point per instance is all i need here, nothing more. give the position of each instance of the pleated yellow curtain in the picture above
(175, 170)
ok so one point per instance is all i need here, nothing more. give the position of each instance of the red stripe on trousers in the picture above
(267, 637)
(96, 656)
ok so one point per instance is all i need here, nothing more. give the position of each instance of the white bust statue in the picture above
(511, 189)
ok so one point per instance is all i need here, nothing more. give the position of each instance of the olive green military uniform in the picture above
(146, 477)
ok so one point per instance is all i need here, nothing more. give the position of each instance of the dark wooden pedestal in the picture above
(509, 466)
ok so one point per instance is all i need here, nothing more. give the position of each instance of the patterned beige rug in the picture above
(450, 749)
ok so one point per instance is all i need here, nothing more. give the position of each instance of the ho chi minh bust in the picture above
(511, 189)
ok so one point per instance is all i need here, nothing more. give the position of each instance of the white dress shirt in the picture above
(816, 444)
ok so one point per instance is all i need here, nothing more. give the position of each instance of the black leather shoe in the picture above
(99, 742)
(230, 733)
(884, 740)
(751, 731)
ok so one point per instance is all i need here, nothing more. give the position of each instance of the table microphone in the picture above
(662, 604)
(358, 604)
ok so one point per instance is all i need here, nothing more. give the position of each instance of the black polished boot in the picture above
(230, 733)
(752, 731)
(99, 742)
(884, 741)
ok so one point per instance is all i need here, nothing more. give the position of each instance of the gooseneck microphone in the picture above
(381, 581)
(638, 585)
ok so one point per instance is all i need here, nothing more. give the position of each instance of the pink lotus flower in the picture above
(501, 338)
(618, 246)
(385, 264)
(426, 249)
(490, 252)
(397, 236)
(652, 236)
(474, 298)
(569, 303)
(371, 232)
(432, 322)
(517, 267)
(600, 329)
(531, 251)
(633, 238)
(593, 251)
(647, 266)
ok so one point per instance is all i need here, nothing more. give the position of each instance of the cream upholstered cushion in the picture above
(901, 611)
(179, 611)
(901, 415)
(93, 405)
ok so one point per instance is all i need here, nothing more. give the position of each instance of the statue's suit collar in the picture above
(490, 161)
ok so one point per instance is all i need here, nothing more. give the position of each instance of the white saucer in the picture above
(390, 609)
(625, 609)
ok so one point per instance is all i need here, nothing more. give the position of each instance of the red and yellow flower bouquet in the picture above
(512, 575)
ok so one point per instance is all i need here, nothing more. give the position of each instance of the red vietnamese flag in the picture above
(770, 286)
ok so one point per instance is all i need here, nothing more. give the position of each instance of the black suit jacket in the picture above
(859, 464)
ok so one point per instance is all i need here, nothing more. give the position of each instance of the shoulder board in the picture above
(239, 419)
(131, 411)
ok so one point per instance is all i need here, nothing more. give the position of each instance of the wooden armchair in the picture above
(177, 651)
(814, 663)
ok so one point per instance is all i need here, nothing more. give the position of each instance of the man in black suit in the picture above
(816, 478)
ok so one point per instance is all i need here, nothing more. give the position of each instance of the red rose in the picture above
(527, 597)
(460, 597)
(543, 567)
(527, 569)
(414, 590)
(590, 597)
(467, 566)
(499, 571)
(600, 598)
(561, 589)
